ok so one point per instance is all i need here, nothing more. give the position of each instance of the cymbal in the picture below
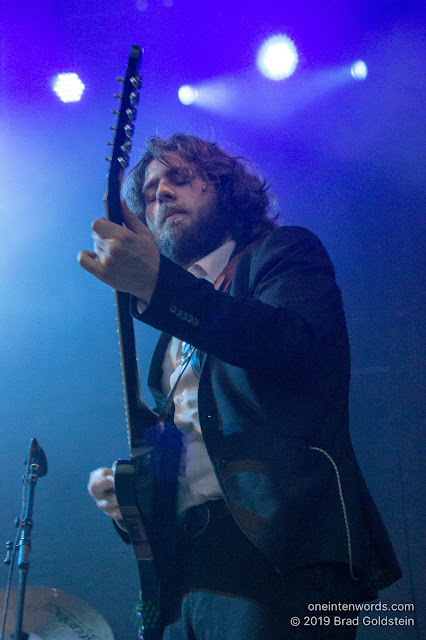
(50, 614)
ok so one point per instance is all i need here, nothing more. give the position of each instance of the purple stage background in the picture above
(345, 159)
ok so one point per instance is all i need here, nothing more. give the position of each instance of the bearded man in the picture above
(269, 508)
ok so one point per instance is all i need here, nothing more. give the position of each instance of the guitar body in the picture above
(134, 478)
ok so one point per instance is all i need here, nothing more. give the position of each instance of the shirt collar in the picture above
(211, 266)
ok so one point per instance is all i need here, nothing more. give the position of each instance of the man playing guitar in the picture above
(266, 509)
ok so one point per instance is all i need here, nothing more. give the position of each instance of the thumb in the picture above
(131, 221)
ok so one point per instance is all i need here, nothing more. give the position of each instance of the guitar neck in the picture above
(136, 410)
(138, 416)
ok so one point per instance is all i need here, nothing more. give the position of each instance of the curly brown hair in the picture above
(243, 196)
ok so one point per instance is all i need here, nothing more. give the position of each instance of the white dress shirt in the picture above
(197, 481)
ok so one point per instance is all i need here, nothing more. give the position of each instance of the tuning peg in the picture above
(9, 549)
(116, 112)
(134, 97)
(108, 159)
(119, 96)
(129, 129)
(136, 82)
(124, 161)
(126, 146)
(131, 113)
(120, 79)
(110, 144)
(113, 128)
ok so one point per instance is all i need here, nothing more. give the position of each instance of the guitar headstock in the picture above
(124, 128)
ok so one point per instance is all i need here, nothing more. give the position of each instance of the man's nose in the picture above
(165, 192)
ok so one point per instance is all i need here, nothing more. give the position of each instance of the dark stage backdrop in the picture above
(345, 162)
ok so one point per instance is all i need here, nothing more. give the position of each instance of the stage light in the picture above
(277, 57)
(187, 94)
(68, 87)
(359, 70)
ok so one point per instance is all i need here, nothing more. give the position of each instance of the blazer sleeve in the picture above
(283, 302)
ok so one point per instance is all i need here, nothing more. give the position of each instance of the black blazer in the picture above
(273, 403)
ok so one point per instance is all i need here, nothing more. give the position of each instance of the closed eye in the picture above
(148, 198)
(177, 176)
(180, 176)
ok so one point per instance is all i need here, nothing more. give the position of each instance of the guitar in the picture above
(134, 478)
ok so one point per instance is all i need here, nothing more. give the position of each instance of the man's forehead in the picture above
(159, 166)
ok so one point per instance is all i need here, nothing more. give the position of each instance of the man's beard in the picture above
(185, 244)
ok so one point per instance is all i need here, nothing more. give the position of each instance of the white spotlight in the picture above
(187, 94)
(359, 70)
(277, 57)
(68, 87)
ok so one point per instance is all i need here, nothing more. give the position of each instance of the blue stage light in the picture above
(68, 87)
(277, 57)
(359, 70)
(187, 94)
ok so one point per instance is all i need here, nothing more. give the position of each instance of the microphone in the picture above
(38, 457)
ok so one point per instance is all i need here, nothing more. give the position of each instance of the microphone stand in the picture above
(36, 468)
